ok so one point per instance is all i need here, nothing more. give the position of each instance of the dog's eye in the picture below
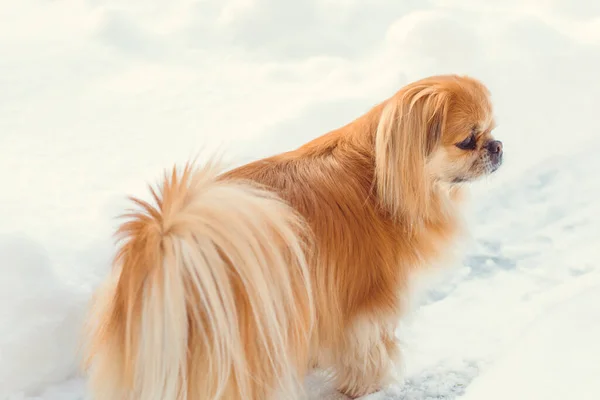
(468, 144)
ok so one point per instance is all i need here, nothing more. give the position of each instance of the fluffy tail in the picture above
(209, 297)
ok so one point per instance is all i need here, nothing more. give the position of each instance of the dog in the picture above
(237, 283)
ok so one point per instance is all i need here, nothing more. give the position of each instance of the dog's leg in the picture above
(365, 363)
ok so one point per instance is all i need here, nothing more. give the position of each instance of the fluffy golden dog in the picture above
(236, 284)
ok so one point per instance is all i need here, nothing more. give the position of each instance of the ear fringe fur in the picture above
(409, 129)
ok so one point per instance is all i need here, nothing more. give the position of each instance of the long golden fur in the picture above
(236, 284)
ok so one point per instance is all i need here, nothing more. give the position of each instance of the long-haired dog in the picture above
(236, 284)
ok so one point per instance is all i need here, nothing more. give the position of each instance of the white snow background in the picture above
(98, 96)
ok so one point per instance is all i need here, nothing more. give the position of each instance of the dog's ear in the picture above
(410, 128)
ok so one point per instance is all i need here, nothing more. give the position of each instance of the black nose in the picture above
(494, 146)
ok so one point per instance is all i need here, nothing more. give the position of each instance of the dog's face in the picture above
(466, 149)
(434, 130)
(438, 129)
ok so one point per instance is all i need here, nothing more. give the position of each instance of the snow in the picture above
(99, 96)
(557, 358)
(40, 316)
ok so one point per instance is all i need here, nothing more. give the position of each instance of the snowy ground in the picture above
(98, 96)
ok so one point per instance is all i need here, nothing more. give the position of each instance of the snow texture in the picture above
(98, 96)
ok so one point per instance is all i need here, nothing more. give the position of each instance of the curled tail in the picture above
(209, 297)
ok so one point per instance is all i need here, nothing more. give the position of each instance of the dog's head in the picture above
(435, 130)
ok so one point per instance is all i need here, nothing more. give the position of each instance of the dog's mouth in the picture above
(486, 167)
(493, 166)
